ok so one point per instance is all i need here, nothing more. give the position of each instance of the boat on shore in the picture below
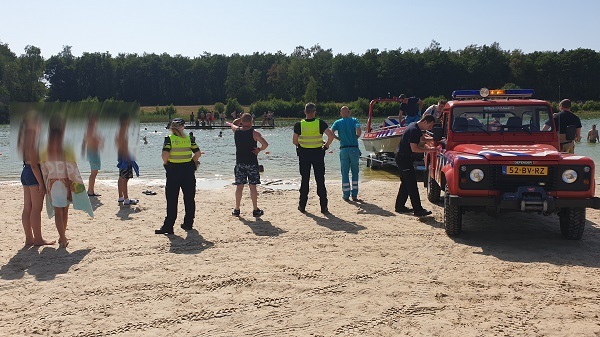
(381, 141)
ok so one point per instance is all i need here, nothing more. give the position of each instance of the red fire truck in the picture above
(497, 152)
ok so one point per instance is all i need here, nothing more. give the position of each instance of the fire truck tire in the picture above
(452, 217)
(572, 222)
(433, 189)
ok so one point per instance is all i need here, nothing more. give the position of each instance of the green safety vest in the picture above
(181, 149)
(310, 137)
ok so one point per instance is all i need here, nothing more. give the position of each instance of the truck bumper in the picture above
(525, 200)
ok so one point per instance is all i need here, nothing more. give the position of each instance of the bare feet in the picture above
(43, 242)
(63, 243)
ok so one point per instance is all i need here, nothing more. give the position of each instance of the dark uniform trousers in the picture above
(408, 184)
(180, 176)
(316, 159)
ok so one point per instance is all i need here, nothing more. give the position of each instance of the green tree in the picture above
(310, 94)
(31, 73)
(220, 107)
(235, 77)
(60, 73)
(233, 105)
(9, 80)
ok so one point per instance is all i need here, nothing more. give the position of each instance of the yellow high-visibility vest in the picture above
(310, 137)
(181, 149)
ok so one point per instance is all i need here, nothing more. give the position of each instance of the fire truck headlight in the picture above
(569, 176)
(476, 175)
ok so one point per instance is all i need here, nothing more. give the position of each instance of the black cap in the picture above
(177, 122)
(402, 96)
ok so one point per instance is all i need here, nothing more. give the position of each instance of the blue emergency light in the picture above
(493, 93)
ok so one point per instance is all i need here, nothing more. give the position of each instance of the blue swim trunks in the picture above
(94, 158)
(27, 176)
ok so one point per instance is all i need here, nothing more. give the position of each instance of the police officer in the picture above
(308, 139)
(407, 148)
(180, 156)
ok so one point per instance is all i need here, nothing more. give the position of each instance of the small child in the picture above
(246, 162)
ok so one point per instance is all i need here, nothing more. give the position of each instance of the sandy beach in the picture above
(363, 270)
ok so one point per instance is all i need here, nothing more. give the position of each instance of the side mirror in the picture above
(438, 133)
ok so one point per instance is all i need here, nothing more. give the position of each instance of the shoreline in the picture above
(201, 183)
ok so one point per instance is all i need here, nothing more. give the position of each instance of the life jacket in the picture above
(310, 137)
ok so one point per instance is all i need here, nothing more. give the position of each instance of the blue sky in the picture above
(191, 28)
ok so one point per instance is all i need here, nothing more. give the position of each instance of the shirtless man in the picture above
(125, 162)
(593, 135)
(92, 143)
(34, 189)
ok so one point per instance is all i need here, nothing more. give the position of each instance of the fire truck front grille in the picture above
(510, 183)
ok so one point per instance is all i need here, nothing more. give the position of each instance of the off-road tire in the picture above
(452, 216)
(433, 189)
(572, 222)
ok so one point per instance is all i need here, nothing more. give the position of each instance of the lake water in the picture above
(218, 160)
(216, 164)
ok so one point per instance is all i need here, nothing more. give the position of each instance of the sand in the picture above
(361, 271)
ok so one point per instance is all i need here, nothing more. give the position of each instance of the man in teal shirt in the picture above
(348, 132)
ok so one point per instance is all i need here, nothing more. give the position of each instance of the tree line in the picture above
(314, 74)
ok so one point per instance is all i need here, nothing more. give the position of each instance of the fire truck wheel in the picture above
(452, 216)
(433, 189)
(572, 222)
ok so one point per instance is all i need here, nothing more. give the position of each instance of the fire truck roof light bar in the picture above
(494, 93)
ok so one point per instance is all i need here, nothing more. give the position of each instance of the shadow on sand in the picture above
(336, 224)
(96, 203)
(368, 208)
(125, 211)
(42, 262)
(526, 238)
(193, 243)
(261, 227)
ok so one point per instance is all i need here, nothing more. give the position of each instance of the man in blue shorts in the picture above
(92, 144)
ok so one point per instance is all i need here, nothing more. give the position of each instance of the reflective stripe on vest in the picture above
(181, 149)
(310, 137)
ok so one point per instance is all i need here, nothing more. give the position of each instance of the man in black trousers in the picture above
(308, 139)
(405, 156)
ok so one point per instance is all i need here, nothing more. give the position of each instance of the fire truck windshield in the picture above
(501, 119)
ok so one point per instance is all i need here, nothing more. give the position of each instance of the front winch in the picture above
(533, 202)
(531, 199)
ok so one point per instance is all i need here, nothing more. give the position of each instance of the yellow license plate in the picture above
(525, 170)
